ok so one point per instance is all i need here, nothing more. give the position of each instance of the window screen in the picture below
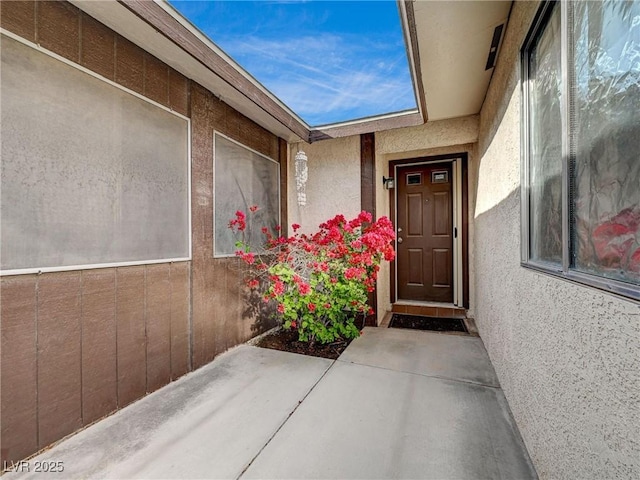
(243, 178)
(91, 174)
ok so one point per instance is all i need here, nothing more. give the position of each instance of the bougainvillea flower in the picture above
(278, 287)
(334, 268)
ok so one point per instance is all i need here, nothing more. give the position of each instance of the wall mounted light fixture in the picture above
(388, 182)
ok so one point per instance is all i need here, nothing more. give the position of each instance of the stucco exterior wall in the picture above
(417, 141)
(567, 355)
(333, 184)
(433, 138)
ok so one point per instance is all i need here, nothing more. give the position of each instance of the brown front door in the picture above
(425, 240)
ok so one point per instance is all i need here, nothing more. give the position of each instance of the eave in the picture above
(448, 76)
(157, 28)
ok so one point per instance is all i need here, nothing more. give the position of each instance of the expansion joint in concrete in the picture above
(285, 421)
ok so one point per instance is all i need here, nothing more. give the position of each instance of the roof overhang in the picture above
(447, 47)
(158, 28)
(378, 123)
(448, 44)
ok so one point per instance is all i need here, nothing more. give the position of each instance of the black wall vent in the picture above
(493, 50)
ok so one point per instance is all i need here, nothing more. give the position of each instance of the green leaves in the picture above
(320, 282)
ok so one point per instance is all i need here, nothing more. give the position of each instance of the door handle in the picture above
(399, 239)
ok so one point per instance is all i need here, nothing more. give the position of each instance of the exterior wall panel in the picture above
(158, 321)
(19, 18)
(59, 356)
(18, 314)
(178, 93)
(74, 347)
(58, 28)
(97, 48)
(129, 65)
(204, 298)
(131, 338)
(180, 325)
(156, 80)
(99, 369)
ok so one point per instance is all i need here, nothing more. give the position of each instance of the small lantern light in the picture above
(302, 174)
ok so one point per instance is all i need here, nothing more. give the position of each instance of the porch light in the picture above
(388, 182)
(302, 174)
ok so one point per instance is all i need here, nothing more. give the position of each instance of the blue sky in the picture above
(329, 61)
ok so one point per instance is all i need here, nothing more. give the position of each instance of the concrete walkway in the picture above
(397, 404)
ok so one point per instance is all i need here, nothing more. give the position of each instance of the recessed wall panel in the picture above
(416, 272)
(442, 213)
(414, 212)
(91, 174)
(441, 267)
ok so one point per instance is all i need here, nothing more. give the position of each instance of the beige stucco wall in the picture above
(420, 140)
(333, 184)
(567, 355)
(433, 138)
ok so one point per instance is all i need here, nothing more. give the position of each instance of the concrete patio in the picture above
(396, 404)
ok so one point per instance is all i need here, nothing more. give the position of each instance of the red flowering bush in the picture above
(319, 282)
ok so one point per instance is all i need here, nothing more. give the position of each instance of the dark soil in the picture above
(417, 322)
(287, 341)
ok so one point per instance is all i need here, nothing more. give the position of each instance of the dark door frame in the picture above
(464, 160)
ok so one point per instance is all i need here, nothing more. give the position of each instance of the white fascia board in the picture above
(404, 22)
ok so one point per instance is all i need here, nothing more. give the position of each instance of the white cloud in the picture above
(328, 77)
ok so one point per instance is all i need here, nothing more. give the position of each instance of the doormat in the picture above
(416, 322)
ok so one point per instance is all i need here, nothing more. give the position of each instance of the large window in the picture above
(581, 175)
(243, 178)
(91, 175)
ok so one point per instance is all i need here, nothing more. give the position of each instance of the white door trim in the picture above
(458, 277)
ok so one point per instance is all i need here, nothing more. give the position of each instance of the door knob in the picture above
(399, 239)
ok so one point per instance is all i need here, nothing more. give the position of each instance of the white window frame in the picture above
(564, 270)
(111, 264)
